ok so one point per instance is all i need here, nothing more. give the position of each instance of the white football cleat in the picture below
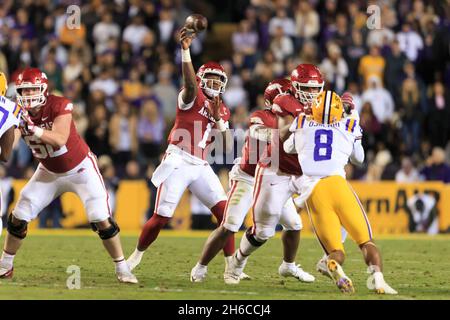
(377, 283)
(126, 277)
(135, 259)
(234, 271)
(337, 274)
(243, 275)
(231, 278)
(6, 273)
(295, 271)
(198, 273)
(322, 268)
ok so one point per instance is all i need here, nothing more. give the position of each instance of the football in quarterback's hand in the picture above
(196, 23)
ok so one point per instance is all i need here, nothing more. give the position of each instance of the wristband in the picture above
(221, 125)
(185, 55)
(38, 132)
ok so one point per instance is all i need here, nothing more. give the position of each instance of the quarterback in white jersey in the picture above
(9, 120)
(324, 144)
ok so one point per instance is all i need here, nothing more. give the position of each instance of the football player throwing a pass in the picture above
(200, 109)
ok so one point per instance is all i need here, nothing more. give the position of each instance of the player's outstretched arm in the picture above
(189, 79)
(357, 156)
(6, 144)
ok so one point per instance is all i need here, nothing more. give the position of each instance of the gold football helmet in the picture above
(327, 108)
(3, 84)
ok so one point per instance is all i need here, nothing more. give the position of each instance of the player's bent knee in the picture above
(108, 232)
(229, 228)
(165, 211)
(295, 226)
(24, 208)
(17, 228)
(232, 223)
(367, 243)
(264, 234)
(254, 239)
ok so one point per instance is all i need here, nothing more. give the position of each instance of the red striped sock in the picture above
(151, 231)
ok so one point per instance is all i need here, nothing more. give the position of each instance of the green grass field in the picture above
(417, 266)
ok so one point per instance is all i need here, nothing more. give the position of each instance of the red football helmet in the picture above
(209, 85)
(32, 78)
(274, 88)
(306, 76)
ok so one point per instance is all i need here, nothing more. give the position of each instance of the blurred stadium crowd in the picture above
(121, 68)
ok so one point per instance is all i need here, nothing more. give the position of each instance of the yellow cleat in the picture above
(337, 274)
(380, 291)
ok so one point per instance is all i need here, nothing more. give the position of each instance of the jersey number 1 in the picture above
(202, 143)
(319, 145)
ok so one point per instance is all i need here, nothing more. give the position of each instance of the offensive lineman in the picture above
(66, 165)
(272, 180)
(324, 144)
(241, 189)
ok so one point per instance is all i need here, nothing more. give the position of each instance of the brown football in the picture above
(196, 23)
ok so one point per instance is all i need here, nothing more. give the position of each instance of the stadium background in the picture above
(121, 68)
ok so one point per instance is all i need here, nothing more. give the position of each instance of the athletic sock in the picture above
(7, 259)
(121, 264)
(151, 231)
(218, 211)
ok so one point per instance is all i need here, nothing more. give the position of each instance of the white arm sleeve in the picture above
(182, 105)
(260, 132)
(289, 144)
(357, 156)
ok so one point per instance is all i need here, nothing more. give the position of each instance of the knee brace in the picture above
(252, 239)
(18, 230)
(107, 233)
